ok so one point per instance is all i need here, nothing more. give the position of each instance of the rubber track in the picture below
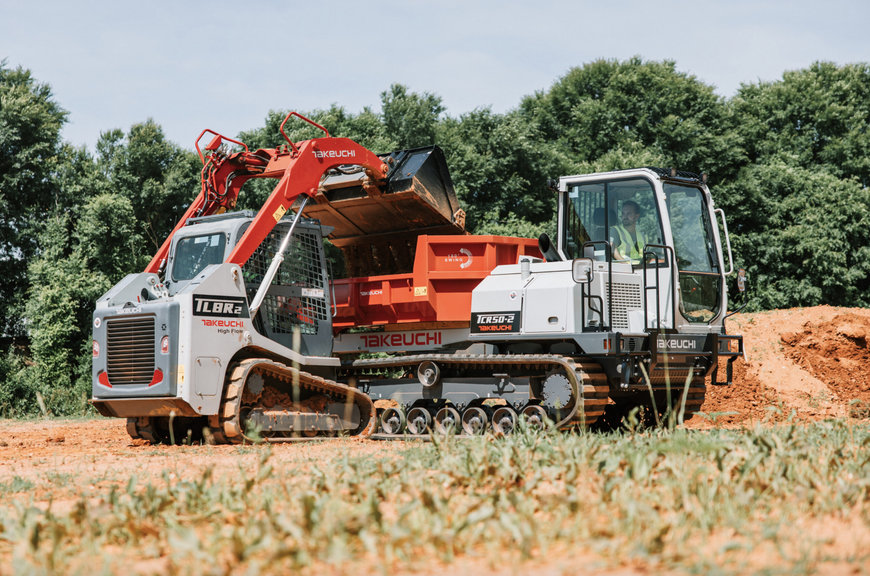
(226, 426)
(147, 431)
(588, 377)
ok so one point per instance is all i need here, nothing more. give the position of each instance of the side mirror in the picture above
(741, 280)
(582, 270)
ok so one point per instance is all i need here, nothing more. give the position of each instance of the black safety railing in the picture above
(589, 252)
(652, 254)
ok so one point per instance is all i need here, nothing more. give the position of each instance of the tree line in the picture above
(788, 160)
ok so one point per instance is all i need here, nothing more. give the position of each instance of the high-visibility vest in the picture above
(627, 247)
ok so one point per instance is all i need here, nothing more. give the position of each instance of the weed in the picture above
(17, 484)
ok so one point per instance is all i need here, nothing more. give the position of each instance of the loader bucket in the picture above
(377, 227)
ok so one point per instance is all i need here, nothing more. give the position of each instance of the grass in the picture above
(767, 500)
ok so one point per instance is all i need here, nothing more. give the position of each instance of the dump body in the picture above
(446, 270)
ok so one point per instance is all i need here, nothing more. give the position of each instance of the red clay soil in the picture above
(802, 363)
(837, 353)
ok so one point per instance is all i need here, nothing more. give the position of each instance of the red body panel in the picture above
(446, 270)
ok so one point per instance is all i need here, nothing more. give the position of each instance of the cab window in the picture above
(193, 254)
(621, 212)
(697, 260)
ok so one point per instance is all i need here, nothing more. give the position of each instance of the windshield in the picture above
(622, 212)
(693, 237)
(193, 254)
(697, 258)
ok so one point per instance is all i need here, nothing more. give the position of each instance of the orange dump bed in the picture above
(446, 270)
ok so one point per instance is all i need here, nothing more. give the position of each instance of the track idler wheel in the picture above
(447, 421)
(419, 420)
(475, 420)
(504, 420)
(393, 421)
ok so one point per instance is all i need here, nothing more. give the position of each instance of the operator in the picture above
(630, 241)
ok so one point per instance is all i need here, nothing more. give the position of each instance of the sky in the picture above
(223, 65)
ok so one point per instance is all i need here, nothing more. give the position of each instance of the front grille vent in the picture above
(625, 297)
(130, 350)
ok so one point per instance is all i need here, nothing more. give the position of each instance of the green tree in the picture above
(93, 233)
(83, 253)
(30, 124)
(499, 167)
(410, 119)
(798, 207)
(802, 235)
(609, 105)
(817, 117)
(158, 178)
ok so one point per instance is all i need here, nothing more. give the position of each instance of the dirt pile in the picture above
(803, 363)
(837, 353)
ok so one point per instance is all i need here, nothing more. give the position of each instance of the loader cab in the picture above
(298, 298)
(201, 243)
(658, 226)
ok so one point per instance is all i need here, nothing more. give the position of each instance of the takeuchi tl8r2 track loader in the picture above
(236, 329)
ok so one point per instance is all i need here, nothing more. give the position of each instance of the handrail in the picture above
(670, 262)
(215, 143)
(721, 214)
(608, 253)
(298, 115)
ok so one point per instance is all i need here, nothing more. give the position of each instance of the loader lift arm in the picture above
(299, 168)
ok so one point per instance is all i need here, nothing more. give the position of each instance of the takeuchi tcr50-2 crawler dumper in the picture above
(235, 328)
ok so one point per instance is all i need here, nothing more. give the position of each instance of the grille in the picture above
(130, 350)
(625, 297)
(675, 378)
(632, 344)
(288, 303)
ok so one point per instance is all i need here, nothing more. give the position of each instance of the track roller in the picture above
(419, 420)
(535, 415)
(475, 420)
(504, 420)
(447, 421)
(429, 374)
(393, 421)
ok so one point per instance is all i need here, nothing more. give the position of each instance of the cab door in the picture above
(700, 273)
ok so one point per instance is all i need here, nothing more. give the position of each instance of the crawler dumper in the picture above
(236, 328)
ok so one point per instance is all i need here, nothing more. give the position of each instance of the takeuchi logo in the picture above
(334, 153)
(677, 344)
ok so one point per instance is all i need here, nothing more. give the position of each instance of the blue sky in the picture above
(223, 65)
